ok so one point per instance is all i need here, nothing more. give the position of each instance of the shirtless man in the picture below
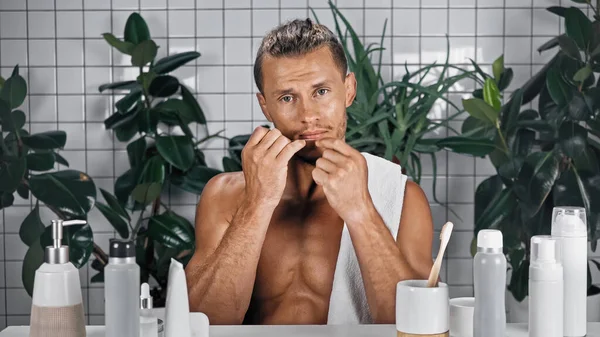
(267, 238)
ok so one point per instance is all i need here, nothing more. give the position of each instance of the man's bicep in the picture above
(415, 233)
(211, 219)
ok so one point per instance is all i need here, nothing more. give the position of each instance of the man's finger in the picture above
(319, 176)
(278, 145)
(326, 165)
(257, 135)
(335, 144)
(334, 156)
(269, 139)
(291, 149)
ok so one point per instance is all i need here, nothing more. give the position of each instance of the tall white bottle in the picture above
(569, 225)
(545, 288)
(489, 273)
(122, 291)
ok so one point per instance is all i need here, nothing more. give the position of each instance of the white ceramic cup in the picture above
(461, 316)
(421, 310)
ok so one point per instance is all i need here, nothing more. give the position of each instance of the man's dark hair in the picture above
(296, 38)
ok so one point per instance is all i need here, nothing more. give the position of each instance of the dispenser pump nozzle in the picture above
(57, 253)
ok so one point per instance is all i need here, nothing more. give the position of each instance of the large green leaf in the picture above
(480, 110)
(146, 193)
(194, 108)
(580, 107)
(45, 140)
(491, 94)
(566, 190)
(172, 231)
(518, 285)
(80, 240)
(136, 151)
(163, 86)
(535, 181)
(136, 30)
(578, 27)
(486, 191)
(114, 204)
(498, 67)
(569, 47)
(126, 85)
(6, 199)
(582, 74)
(125, 184)
(535, 84)
(553, 42)
(522, 142)
(170, 108)
(11, 173)
(496, 211)
(195, 179)
(11, 120)
(125, 104)
(32, 227)
(572, 137)
(465, 145)
(177, 151)
(230, 165)
(505, 79)
(40, 161)
(509, 171)
(154, 171)
(144, 53)
(476, 128)
(559, 90)
(172, 62)
(14, 91)
(31, 262)
(510, 115)
(71, 192)
(118, 223)
(122, 46)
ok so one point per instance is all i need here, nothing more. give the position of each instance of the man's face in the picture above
(306, 98)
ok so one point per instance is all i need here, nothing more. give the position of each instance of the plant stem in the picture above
(100, 254)
(134, 232)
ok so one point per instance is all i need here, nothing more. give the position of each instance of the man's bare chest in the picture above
(300, 252)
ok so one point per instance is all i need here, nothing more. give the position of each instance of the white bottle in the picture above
(148, 322)
(56, 304)
(545, 288)
(569, 225)
(489, 273)
(122, 291)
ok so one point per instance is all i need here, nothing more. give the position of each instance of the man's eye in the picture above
(286, 99)
(322, 91)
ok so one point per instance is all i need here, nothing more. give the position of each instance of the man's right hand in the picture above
(264, 163)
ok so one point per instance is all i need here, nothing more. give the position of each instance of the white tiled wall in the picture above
(59, 47)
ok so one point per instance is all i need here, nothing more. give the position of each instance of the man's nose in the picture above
(309, 112)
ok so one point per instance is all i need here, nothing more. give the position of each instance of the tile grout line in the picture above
(84, 89)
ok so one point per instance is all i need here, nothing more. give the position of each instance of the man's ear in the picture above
(350, 84)
(263, 106)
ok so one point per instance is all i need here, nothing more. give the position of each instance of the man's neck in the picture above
(300, 184)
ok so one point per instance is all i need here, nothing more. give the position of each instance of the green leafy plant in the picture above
(392, 120)
(154, 116)
(546, 157)
(27, 163)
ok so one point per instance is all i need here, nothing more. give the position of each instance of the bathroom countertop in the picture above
(513, 330)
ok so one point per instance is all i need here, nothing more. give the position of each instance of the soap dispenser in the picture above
(57, 307)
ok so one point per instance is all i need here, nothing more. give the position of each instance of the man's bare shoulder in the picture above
(225, 189)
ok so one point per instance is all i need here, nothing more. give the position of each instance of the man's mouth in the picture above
(312, 134)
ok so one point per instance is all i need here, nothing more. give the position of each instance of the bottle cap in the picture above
(489, 239)
(544, 249)
(145, 298)
(121, 248)
(58, 253)
(569, 221)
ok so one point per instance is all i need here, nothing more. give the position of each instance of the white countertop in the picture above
(513, 330)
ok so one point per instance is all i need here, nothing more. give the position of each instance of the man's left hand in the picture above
(342, 171)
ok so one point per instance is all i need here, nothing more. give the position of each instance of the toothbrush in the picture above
(435, 270)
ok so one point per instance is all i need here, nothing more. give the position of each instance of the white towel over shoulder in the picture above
(348, 302)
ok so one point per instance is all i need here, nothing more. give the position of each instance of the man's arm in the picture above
(221, 273)
(383, 262)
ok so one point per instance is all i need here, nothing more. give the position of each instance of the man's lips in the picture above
(312, 135)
